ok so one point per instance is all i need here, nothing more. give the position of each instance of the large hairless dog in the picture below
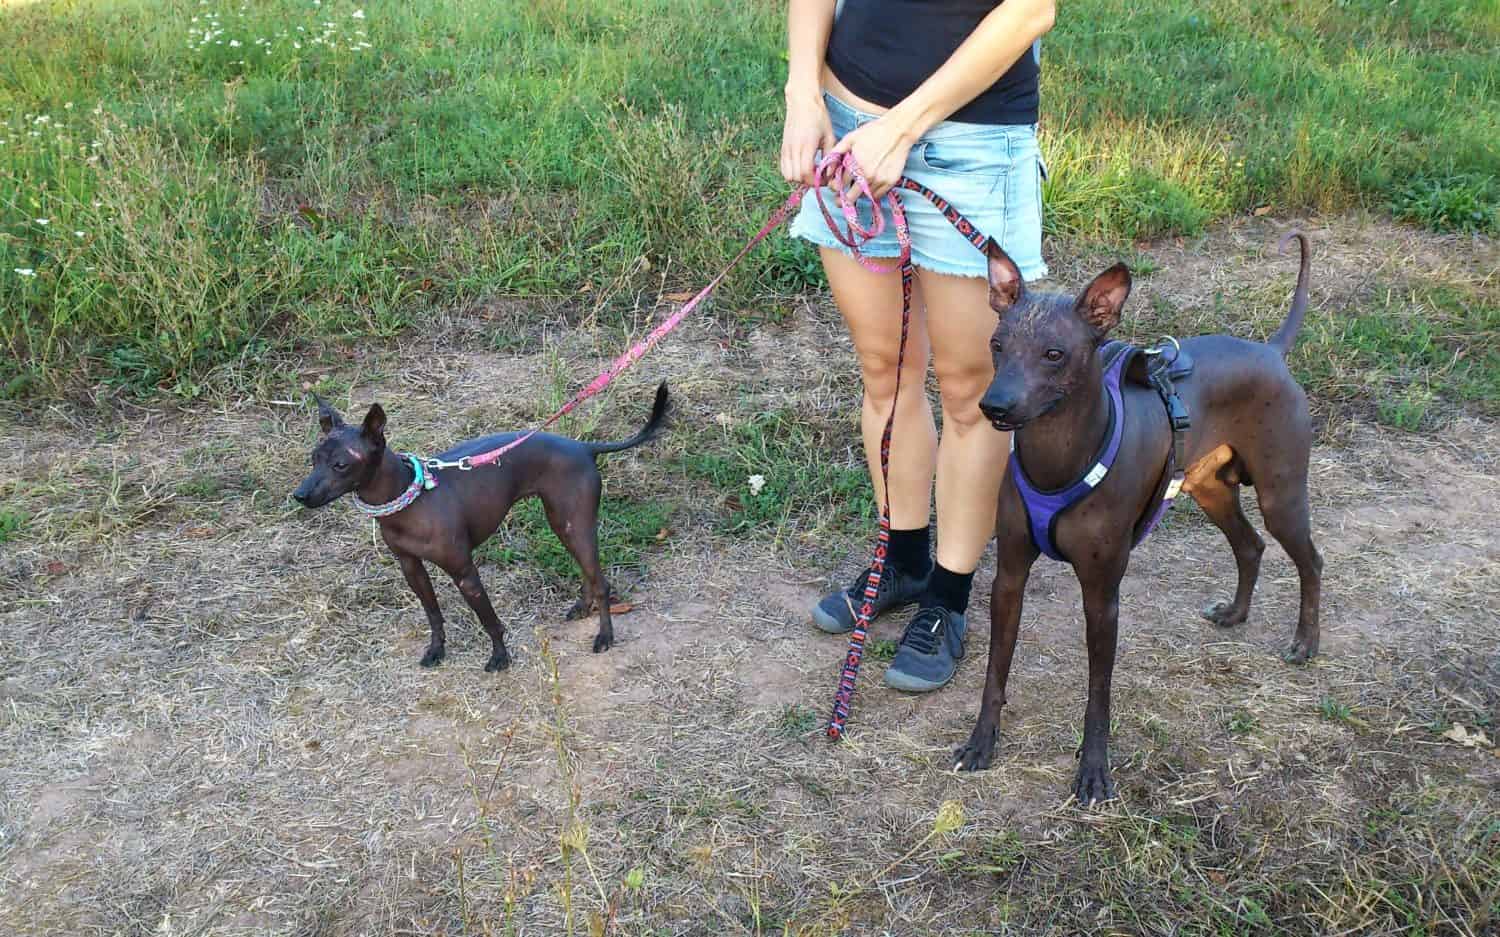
(1249, 426)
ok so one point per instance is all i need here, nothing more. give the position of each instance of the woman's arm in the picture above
(807, 129)
(1000, 39)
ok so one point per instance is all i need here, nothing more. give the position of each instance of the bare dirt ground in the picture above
(212, 720)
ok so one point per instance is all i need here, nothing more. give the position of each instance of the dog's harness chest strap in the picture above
(1045, 508)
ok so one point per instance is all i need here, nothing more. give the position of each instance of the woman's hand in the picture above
(807, 131)
(880, 148)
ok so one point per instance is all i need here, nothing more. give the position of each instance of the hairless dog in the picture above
(1249, 426)
(445, 524)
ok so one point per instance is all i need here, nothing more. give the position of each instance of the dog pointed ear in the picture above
(1100, 304)
(328, 418)
(1006, 285)
(373, 428)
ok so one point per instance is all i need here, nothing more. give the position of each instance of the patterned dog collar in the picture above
(420, 481)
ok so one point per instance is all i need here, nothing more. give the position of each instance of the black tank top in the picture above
(883, 49)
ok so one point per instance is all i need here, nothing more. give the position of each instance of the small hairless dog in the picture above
(443, 525)
(1249, 426)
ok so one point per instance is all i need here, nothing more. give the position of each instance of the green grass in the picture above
(12, 522)
(1407, 350)
(235, 200)
(774, 472)
(627, 529)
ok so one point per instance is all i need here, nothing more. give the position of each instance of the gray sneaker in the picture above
(929, 652)
(835, 613)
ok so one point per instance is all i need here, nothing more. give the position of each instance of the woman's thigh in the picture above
(870, 303)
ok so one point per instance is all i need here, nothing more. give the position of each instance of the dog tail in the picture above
(647, 433)
(1282, 340)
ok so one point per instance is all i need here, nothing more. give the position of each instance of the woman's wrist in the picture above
(803, 90)
(912, 118)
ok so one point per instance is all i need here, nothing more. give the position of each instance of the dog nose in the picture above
(301, 495)
(996, 406)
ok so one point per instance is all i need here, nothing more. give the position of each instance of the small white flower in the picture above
(78, 234)
(757, 482)
(234, 43)
(357, 14)
(25, 272)
(68, 106)
(44, 221)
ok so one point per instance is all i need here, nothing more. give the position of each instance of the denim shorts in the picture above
(991, 172)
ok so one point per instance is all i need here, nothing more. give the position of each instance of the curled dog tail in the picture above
(1282, 340)
(647, 433)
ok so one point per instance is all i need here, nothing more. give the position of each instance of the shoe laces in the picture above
(856, 591)
(924, 633)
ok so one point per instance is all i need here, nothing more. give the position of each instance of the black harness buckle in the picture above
(1158, 374)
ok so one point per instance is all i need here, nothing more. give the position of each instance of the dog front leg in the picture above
(1101, 611)
(473, 592)
(415, 572)
(1005, 623)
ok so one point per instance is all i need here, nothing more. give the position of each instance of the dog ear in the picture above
(328, 418)
(1100, 304)
(1006, 285)
(374, 425)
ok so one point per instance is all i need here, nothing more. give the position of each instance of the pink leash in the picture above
(636, 351)
(836, 171)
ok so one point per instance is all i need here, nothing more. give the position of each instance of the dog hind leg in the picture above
(1221, 502)
(574, 517)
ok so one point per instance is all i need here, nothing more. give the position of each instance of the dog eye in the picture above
(1054, 355)
(340, 466)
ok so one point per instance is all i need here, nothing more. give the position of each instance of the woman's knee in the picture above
(961, 390)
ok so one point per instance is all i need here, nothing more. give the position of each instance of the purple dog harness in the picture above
(1044, 508)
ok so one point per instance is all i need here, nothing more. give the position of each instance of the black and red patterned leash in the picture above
(836, 171)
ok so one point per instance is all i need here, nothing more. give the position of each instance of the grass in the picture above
(220, 182)
(779, 472)
(165, 614)
(628, 530)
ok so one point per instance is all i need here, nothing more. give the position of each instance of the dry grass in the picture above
(214, 723)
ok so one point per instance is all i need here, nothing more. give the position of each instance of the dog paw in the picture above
(978, 753)
(500, 660)
(579, 610)
(434, 656)
(1093, 782)
(1301, 651)
(603, 642)
(1222, 613)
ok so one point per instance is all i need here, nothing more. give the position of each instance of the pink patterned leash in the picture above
(634, 353)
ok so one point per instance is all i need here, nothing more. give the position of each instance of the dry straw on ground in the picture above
(212, 721)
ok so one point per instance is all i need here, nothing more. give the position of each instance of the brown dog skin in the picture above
(1250, 425)
(443, 526)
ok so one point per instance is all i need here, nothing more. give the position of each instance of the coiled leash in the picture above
(838, 170)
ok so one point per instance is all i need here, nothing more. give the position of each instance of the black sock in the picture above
(910, 551)
(949, 589)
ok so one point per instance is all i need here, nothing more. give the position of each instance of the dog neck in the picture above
(391, 475)
(1060, 444)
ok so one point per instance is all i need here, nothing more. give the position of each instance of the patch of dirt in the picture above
(214, 721)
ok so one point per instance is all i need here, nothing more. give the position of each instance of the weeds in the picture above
(187, 188)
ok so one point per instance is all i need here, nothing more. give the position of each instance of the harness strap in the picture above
(1159, 377)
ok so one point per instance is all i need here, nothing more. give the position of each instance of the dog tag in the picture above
(1095, 475)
